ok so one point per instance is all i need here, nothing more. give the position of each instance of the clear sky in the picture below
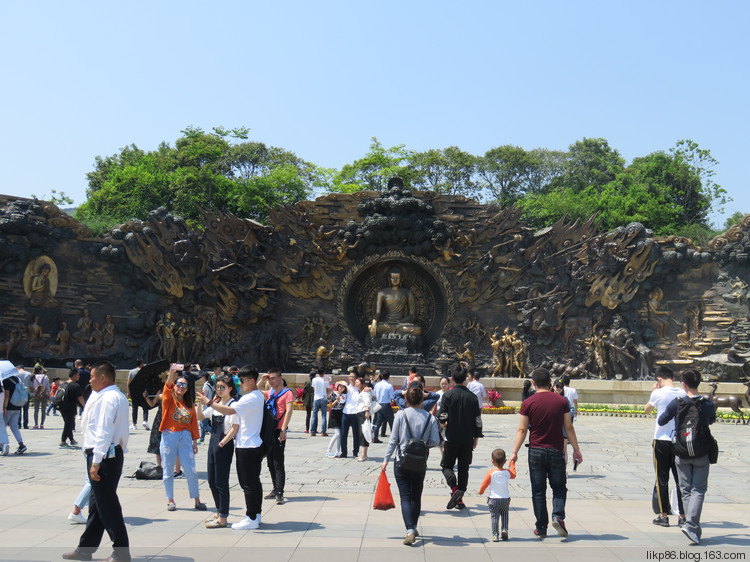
(83, 79)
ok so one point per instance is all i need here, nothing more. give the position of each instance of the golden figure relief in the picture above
(34, 335)
(395, 309)
(62, 341)
(40, 282)
(83, 332)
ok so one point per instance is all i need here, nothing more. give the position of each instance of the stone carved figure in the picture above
(97, 338)
(466, 356)
(165, 331)
(62, 341)
(108, 331)
(323, 355)
(621, 345)
(41, 288)
(83, 332)
(34, 335)
(9, 346)
(395, 309)
(497, 353)
(657, 317)
(519, 355)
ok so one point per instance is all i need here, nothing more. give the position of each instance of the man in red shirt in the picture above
(283, 401)
(545, 413)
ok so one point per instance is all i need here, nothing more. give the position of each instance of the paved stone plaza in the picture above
(328, 511)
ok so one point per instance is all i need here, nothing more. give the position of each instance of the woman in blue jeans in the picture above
(412, 422)
(220, 448)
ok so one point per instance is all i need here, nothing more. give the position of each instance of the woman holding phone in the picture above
(179, 435)
(220, 447)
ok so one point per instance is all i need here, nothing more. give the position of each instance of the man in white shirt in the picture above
(320, 404)
(249, 447)
(571, 394)
(477, 388)
(383, 392)
(105, 441)
(663, 394)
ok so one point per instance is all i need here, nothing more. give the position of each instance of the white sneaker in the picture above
(145, 426)
(246, 524)
(132, 427)
(257, 518)
(79, 518)
(6, 449)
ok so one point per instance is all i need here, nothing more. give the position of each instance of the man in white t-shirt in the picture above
(477, 388)
(663, 394)
(248, 444)
(320, 404)
(571, 394)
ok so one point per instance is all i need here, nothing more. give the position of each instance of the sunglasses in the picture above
(181, 384)
(220, 387)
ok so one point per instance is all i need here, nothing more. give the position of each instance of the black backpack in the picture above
(270, 422)
(60, 396)
(148, 471)
(692, 436)
(414, 456)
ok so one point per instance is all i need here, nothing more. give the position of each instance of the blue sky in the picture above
(83, 79)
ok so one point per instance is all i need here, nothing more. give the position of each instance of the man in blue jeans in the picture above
(545, 413)
(320, 403)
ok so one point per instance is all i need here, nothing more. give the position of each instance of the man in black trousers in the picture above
(459, 408)
(105, 440)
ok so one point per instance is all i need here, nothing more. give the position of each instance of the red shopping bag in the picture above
(383, 496)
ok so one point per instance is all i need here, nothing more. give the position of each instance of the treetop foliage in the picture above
(667, 191)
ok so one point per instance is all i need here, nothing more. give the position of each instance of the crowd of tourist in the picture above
(246, 417)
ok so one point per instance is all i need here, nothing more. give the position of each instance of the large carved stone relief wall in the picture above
(314, 286)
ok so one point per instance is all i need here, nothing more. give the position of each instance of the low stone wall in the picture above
(589, 391)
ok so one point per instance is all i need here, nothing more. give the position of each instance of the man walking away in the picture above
(137, 401)
(320, 404)
(383, 392)
(25, 377)
(459, 409)
(282, 400)
(84, 376)
(72, 399)
(105, 441)
(693, 443)
(545, 413)
(663, 394)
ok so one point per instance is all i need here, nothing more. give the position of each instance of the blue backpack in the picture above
(270, 422)
(20, 395)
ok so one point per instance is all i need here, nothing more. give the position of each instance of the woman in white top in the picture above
(220, 449)
(364, 404)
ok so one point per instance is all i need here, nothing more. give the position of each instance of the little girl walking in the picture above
(497, 479)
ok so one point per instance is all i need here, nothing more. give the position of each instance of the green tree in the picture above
(507, 172)
(450, 170)
(734, 219)
(589, 163)
(202, 170)
(374, 169)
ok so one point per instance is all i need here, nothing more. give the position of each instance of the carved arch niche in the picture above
(360, 286)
